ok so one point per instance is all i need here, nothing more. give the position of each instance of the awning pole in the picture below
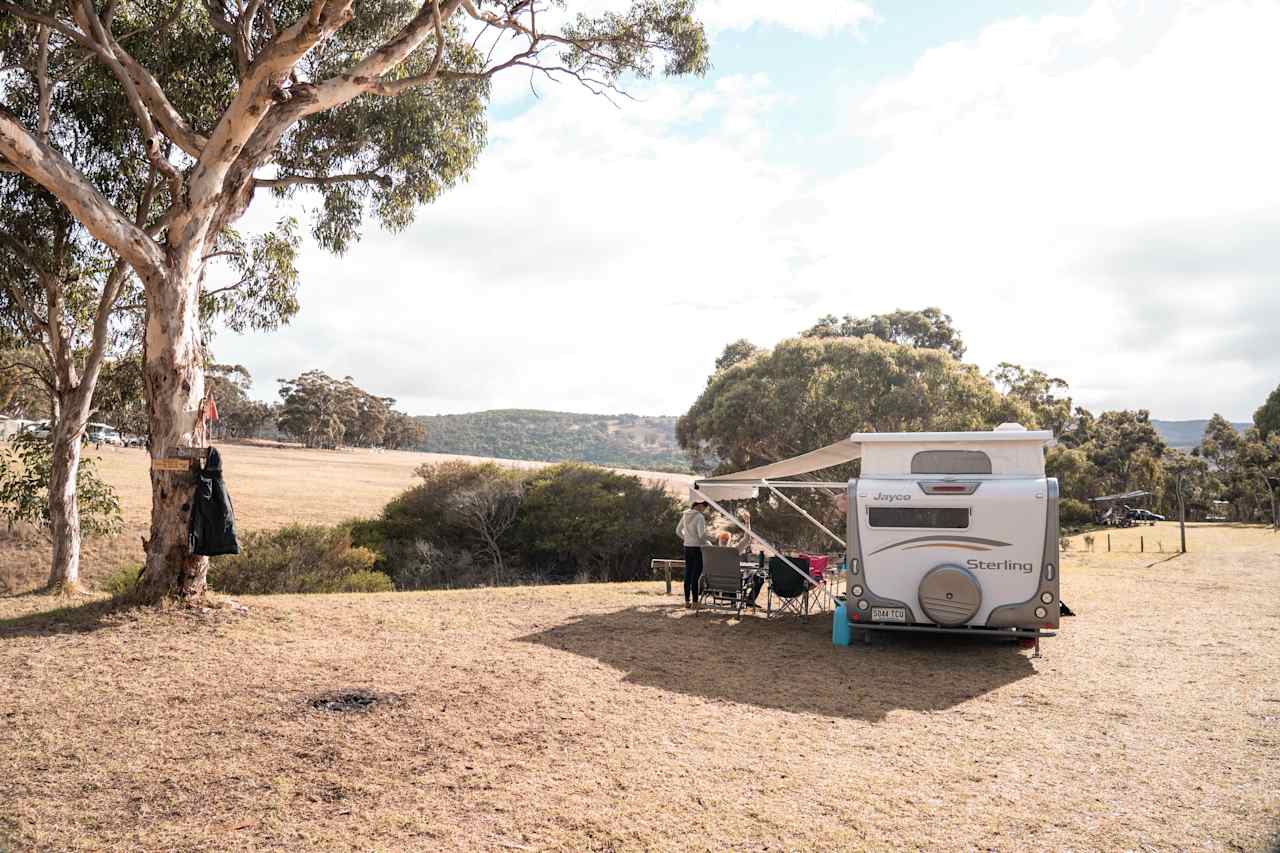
(734, 521)
(798, 509)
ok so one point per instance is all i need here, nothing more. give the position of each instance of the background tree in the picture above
(489, 508)
(1044, 395)
(740, 350)
(929, 328)
(239, 415)
(1267, 417)
(316, 408)
(1188, 475)
(377, 106)
(811, 391)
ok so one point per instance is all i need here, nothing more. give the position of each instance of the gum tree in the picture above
(71, 310)
(376, 106)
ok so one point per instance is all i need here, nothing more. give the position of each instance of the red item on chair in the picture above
(817, 565)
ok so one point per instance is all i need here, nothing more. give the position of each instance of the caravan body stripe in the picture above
(942, 540)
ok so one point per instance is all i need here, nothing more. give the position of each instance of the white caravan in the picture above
(946, 531)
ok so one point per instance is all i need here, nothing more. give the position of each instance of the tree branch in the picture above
(42, 85)
(320, 180)
(365, 75)
(150, 138)
(252, 103)
(50, 169)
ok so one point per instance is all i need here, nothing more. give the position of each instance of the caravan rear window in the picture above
(933, 517)
(951, 462)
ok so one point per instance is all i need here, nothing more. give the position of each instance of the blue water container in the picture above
(841, 634)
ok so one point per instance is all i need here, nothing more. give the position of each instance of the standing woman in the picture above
(692, 531)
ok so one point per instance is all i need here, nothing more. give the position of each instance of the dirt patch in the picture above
(349, 701)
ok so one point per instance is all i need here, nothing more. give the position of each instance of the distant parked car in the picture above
(1144, 515)
(134, 440)
(104, 434)
(40, 429)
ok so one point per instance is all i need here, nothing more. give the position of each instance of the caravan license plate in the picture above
(888, 614)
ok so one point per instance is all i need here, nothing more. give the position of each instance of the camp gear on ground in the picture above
(723, 582)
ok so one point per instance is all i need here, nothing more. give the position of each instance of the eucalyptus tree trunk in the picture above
(173, 370)
(64, 508)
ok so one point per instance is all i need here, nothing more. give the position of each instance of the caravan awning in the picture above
(741, 485)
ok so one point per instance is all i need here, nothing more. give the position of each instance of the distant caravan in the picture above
(946, 531)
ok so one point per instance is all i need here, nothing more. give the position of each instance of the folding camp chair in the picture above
(788, 586)
(723, 583)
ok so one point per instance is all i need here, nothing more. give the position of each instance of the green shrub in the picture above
(123, 581)
(366, 581)
(577, 518)
(1073, 512)
(296, 558)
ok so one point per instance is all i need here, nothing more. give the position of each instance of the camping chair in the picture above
(790, 587)
(723, 583)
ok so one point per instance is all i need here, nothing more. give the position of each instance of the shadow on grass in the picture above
(786, 664)
(66, 619)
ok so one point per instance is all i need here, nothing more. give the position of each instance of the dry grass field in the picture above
(270, 485)
(605, 717)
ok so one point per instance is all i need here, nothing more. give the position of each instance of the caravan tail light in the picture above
(947, 487)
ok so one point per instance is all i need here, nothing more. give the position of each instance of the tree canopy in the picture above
(807, 392)
(1267, 417)
(928, 328)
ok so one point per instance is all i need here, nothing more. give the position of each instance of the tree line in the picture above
(903, 372)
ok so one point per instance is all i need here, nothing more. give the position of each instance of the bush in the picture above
(297, 558)
(1073, 512)
(366, 581)
(123, 582)
(570, 521)
(577, 518)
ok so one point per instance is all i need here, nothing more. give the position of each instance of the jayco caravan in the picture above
(954, 530)
(946, 531)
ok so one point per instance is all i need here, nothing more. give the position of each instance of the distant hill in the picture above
(1185, 435)
(619, 441)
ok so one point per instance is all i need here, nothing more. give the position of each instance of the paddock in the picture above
(602, 717)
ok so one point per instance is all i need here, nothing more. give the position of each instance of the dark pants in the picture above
(692, 573)
(757, 584)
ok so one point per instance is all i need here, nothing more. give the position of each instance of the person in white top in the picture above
(692, 531)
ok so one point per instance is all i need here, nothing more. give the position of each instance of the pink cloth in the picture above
(817, 565)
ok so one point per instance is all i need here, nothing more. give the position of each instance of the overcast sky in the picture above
(1090, 188)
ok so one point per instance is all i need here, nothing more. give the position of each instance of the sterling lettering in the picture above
(890, 498)
(1001, 566)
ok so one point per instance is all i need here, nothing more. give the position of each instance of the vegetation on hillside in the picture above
(621, 441)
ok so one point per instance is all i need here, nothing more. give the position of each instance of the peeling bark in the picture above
(64, 506)
(174, 376)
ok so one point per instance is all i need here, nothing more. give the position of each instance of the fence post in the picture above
(1141, 546)
(1108, 543)
(668, 565)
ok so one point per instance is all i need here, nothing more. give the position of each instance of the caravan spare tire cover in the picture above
(950, 595)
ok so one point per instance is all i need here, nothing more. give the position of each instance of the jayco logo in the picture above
(890, 498)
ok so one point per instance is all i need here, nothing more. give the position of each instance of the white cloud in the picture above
(814, 18)
(1092, 195)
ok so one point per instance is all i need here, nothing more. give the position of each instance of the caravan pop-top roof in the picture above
(1009, 450)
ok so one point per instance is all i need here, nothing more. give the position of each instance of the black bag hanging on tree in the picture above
(213, 521)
